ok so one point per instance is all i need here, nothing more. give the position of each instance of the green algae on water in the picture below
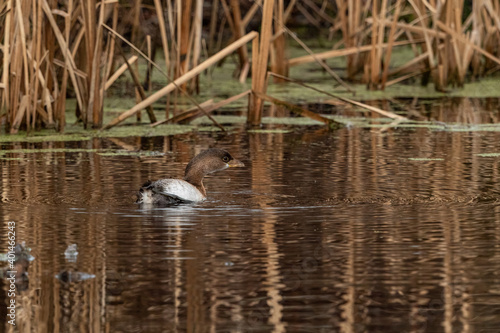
(81, 134)
(48, 150)
(425, 159)
(270, 131)
(131, 153)
(488, 155)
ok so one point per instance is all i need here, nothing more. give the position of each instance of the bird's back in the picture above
(168, 191)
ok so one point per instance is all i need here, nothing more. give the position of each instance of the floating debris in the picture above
(18, 268)
(71, 253)
(21, 251)
(69, 276)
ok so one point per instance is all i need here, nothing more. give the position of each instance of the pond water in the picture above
(357, 230)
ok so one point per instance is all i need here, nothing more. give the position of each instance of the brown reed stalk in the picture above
(136, 21)
(35, 84)
(89, 25)
(111, 41)
(185, 28)
(61, 101)
(391, 39)
(197, 30)
(278, 55)
(24, 54)
(420, 10)
(351, 15)
(18, 100)
(95, 89)
(237, 33)
(213, 25)
(163, 31)
(372, 67)
(255, 110)
(6, 56)
(255, 57)
(68, 57)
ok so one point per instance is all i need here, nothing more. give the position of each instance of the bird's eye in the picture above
(225, 159)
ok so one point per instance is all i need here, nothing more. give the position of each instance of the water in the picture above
(353, 231)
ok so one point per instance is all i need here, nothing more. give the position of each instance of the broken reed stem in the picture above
(340, 53)
(184, 78)
(301, 111)
(347, 100)
(207, 106)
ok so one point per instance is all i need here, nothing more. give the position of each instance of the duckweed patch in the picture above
(213, 128)
(142, 130)
(49, 150)
(220, 119)
(101, 152)
(11, 158)
(425, 159)
(131, 153)
(488, 155)
(270, 131)
(43, 136)
(359, 122)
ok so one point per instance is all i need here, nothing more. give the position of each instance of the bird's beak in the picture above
(235, 163)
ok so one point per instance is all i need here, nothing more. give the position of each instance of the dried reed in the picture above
(50, 49)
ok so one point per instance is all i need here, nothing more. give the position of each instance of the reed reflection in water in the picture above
(355, 231)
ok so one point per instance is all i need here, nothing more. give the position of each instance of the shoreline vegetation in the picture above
(53, 51)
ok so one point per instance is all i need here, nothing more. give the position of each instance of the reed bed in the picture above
(52, 50)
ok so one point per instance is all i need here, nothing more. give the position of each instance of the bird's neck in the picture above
(196, 179)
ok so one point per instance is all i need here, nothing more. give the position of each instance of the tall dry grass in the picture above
(52, 50)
